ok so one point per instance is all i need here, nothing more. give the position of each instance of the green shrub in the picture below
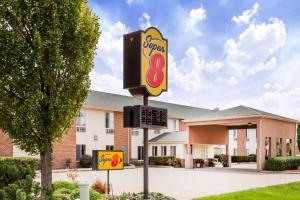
(160, 160)
(64, 184)
(250, 158)
(221, 157)
(282, 163)
(139, 196)
(17, 178)
(94, 195)
(85, 161)
(63, 190)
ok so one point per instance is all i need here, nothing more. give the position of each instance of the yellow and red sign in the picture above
(110, 160)
(154, 61)
(145, 62)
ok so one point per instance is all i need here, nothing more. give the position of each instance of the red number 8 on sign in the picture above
(155, 74)
(115, 160)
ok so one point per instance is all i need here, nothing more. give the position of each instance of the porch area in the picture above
(276, 135)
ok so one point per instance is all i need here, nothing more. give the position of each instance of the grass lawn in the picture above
(290, 191)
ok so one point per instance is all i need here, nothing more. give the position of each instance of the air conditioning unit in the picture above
(109, 131)
(95, 137)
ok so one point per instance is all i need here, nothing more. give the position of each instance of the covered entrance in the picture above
(275, 135)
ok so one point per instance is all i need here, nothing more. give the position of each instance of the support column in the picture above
(228, 156)
(188, 164)
(260, 162)
(189, 158)
(283, 147)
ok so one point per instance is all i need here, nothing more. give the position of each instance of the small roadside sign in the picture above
(108, 160)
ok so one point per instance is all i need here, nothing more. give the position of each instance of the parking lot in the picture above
(184, 184)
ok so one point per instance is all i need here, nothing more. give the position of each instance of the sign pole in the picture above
(108, 189)
(146, 158)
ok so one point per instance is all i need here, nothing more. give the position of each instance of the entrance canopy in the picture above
(212, 128)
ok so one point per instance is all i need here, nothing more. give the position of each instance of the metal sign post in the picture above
(146, 158)
(108, 189)
(145, 72)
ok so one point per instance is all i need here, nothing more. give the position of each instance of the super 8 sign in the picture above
(108, 160)
(145, 62)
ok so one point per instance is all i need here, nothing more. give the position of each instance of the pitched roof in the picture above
(116, 102)
(239, 111)
(175, 136)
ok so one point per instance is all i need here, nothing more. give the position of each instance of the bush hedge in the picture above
(282, 163)
(17, 178)
(250, 158)
(160, 160)
(63, 190)
(139, 196)
(86, 161)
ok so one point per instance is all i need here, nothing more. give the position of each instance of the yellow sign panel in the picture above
(154, 61)
(110, 160)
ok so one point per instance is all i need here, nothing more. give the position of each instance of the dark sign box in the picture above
(139, 116)
(132, 60)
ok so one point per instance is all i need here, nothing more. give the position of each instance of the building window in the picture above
(235, 151)
(278, 146)
(289, 147)
(140, 153)
(247, 152)
(163, 150)
(156, 131)
(135, 132)
(176, 125)
(80, 122)
(247, 135)
(80, 151)
(154, 150)
(235, 134)
(173, 151)
(268, 147)
(109, 122)
(109, 147)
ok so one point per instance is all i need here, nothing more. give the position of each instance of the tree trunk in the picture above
(46, 173)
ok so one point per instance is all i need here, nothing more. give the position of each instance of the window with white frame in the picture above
(247, 135)
(235, 151)
(235, 134)
(80, 121)
(163, 150)
(176, 125)
(173, 151)
(109, 122)
(80, 151)
(135, 131)
(109, 147)
(154, 150)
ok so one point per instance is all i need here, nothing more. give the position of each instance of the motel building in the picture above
(192, 133)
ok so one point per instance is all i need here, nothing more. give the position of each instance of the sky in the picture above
(222, 53)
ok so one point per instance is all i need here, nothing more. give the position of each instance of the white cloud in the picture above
(255, 49)
(230, 81)
(188, 74)
(246, 16)
(144, 21)
(110, 47)
(130, 2)
(213, 66)
(106, 83)
(195, 16)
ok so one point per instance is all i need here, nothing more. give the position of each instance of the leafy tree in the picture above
(298, 136)
(46, 55)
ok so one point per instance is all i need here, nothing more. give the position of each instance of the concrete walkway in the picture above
(185, 184)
